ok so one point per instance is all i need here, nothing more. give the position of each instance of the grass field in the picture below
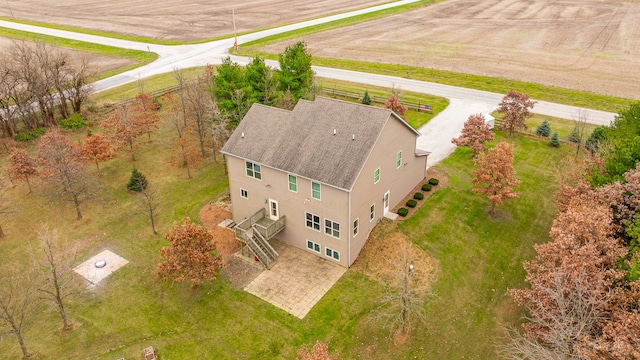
(479, 257)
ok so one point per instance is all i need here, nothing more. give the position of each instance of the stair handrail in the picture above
(266, 244)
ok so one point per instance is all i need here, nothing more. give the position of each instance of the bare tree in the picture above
(199, 104)
(16, 298)
(148, 205)
(403, 302)
(580, 122)
(56, 261)
(181, 82)
(219, 132)
(62, 166)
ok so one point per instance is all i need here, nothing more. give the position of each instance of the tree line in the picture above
(40, 84)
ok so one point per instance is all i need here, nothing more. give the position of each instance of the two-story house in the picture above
(320, 176)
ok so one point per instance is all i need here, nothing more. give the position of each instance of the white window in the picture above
(332, 254)
(315, 190)
(372, 212)
(332, 228)
(253, 170)
(313, 246)
(398, 159)
(293, 183)
(376, 176)
(356, 225)
(244, 193)
(312, 221)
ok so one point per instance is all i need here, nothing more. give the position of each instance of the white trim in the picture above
(319, 198)
(319, 251)
(253, 169)
(376, 171)
(277, 208)
(289, 182)
(332, 228)
(246, 193)
(371, 218)
(356, 228)
(311, 227)
(385, 202)
(332, 252)
(399, 164)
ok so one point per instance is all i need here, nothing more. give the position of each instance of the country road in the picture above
(436, 134)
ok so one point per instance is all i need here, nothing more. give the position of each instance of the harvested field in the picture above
(176, 19)
(591, 45)
(99, 63)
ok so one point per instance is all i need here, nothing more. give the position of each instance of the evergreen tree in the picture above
(137, 181)
(295, 72)
(544, 129)
(366, 99)
(554, 140)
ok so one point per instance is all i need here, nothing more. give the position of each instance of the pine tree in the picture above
(137, 181)
(544, 129)
(554, 140)
(365, 98)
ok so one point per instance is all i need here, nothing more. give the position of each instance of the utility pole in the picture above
(235, 35)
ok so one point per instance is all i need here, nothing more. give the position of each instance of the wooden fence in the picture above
(345, 94)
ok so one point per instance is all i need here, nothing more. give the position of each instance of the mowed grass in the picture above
(480, 256)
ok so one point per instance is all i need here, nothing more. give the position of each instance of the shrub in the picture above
(426, 187)
(418, 196)
(137, 181)
(434, 181)
(403, 212)
(543, 129)
(366, 99)
(412, 203)
(75, 121)
(574, 136)
(31, 135)
(554, 140)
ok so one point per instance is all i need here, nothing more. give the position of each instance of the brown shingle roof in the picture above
(301, 141)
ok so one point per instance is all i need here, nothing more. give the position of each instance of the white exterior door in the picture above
(385, 203)
(274, 212)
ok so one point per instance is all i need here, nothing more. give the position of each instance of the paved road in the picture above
(436, 134)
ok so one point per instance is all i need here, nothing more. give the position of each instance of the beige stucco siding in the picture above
(399, 182)
(274, 185)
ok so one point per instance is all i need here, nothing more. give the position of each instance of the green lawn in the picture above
(479, 258)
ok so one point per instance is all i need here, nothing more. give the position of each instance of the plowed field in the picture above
(591, 45)
(176, 19)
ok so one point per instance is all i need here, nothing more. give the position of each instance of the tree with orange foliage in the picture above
(394, 104)
(124, 129)
(186, 155)
(495, 176)
(192, 255)
(97, 149)
(475, 134)
(515, 108)
(145, 111)
(319, 351)
(22, 166)
(62, 166)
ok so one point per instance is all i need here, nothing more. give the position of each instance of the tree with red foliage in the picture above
(515, 108)
(62, 166)
(475, 134)
(97, 149)
(494, 175)
(192, 255)
(22, 166)
(319, 351)
(394, 104)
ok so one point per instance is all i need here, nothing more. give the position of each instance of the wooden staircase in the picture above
(256, 232)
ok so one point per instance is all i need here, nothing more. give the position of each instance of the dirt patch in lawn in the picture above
(590, 45)
(238, 269)
(181, 20)
(382, 258)
(99, 63)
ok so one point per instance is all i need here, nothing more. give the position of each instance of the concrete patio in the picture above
(297, 281)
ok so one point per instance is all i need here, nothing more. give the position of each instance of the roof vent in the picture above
(243, 134)
(334, 132)
(353, 137)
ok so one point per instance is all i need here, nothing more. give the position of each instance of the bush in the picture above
(597, 136)
(574, 137)
(434, 181)
(137, 181)
(31, 135)
(366, 99)
(543, 129)
(403, 212)
(412, 203)
(75, 121)
(554, 140)
(426, 187)
(418, 196)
